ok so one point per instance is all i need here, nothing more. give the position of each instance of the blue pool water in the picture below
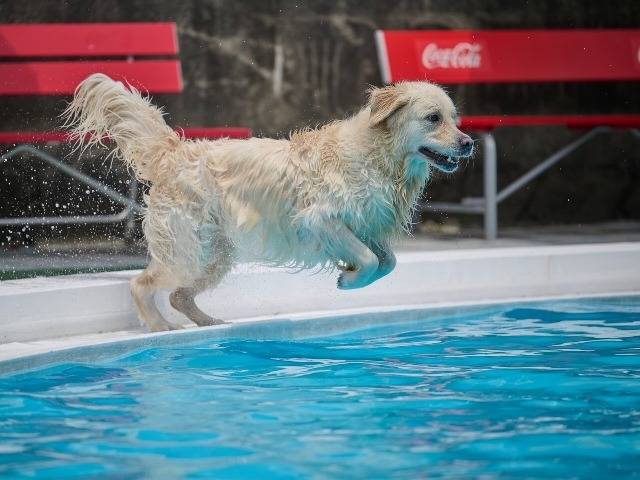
(549, 390)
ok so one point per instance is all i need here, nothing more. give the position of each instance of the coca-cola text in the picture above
(462, 55)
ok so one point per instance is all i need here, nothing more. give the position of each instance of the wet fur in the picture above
(335, 196)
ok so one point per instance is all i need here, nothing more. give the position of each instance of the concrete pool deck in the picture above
(40, 315)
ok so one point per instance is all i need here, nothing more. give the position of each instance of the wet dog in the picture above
(331, 197)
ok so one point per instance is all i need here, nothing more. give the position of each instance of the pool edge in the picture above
(45, 314)
(78, 349)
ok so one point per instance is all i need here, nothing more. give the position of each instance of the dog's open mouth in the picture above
(443, 163)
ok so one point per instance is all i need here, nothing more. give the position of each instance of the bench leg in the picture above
(490, 187)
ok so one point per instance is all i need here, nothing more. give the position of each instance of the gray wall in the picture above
(230, 49)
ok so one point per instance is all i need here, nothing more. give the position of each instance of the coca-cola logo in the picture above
(461, 55)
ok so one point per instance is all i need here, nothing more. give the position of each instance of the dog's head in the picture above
(422, 120)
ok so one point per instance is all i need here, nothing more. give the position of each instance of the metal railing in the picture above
(488, 204)
(129, 203)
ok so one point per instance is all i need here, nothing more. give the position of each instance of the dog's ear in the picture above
(385, 102)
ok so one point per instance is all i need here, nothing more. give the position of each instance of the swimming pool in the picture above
(520, 390)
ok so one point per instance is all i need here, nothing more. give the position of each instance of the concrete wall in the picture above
(278, 65)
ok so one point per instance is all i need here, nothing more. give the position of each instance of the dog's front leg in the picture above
(386, 262)
(361, 262)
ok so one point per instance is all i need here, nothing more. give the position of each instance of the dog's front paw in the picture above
(350, 279)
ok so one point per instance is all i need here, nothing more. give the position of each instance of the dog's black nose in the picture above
(466, 144)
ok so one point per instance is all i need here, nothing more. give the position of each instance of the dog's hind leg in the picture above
(183, 298)
(143, 288)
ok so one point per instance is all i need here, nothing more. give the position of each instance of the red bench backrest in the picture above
(470, 56)
(51, 59)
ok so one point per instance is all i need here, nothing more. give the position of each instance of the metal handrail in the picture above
(131, 206)
(488, 204)
(548, 163)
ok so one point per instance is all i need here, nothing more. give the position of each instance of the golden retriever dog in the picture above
(331, 197)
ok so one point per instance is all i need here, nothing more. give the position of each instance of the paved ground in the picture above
(530, 236)
(88, 257)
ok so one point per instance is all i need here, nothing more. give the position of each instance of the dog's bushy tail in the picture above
(103, 109)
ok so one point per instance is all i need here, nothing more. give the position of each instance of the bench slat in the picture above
(62, 78)
(468, 56)
(88, 40)
(489, 122)
(211, 133)
(473, 122)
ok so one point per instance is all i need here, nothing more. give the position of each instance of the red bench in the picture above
(51, 59)
(514, 56)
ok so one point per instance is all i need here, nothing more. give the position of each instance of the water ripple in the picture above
(544, 391)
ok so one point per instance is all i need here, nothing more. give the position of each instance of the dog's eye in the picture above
(433, 118)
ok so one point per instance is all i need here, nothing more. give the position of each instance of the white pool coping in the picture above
(51, 314)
